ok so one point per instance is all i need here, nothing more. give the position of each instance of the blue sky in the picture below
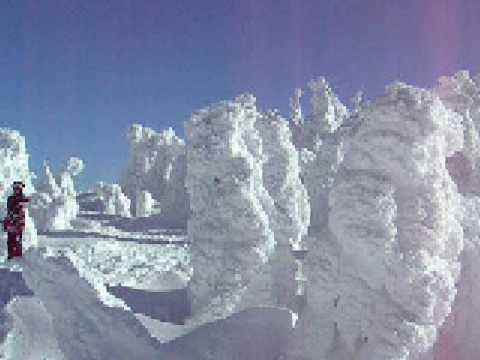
(74, 74)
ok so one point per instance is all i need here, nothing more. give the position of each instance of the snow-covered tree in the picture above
(382, 276)
(55, 205)
(114, 201)
(157, 164)
(229, 229)
(291, 214)
(458, 337)
(145, 202)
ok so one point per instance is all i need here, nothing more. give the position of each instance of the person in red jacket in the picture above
(14, 223)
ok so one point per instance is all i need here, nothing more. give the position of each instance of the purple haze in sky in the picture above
(75, 74)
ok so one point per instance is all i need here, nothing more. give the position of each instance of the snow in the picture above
(290, 216)
(55, 205)
(157, 164)
(229, 222)
(145, 203)
(114, 202)
(14, 167)
(384, 196)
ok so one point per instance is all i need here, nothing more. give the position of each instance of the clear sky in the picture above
(74, 74)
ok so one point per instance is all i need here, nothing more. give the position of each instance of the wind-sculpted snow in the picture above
(14, 167)
(459, 335)
(387, 271)
(114, 201)
(157, 164)
(55, 204)
(461, 94)
(229, 229)
(319, 141)
(291, 216)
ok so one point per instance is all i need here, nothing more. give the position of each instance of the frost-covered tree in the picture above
(382, 276)
(55, 205)
(296, 115)
(291, 214)
(319, 141)
(114, 201)
(157, 164)
(145, 203)
(458, 337)
(229, 229)
(73, 167)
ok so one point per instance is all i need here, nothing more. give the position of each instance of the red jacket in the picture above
(15, 213)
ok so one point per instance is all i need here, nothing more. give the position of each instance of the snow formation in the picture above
(291, 214)
(113, 200)
(320, 144)
(14, 167)
(145, 204)
(383, 273)
(55, 204)
(229, 228)
(459, 336)
(157, 164)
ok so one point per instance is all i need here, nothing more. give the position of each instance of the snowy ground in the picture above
(111, 293)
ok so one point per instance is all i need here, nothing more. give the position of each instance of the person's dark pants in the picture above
(14, 244)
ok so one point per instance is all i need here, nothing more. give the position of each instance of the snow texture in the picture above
(386, 269)
(395, 203)
(229, 228)
(145, 204)
(157, 164)
(55, 204)
(320, 144)
(113, 200)
(459, 335)
(14, 167)
(291, 214)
